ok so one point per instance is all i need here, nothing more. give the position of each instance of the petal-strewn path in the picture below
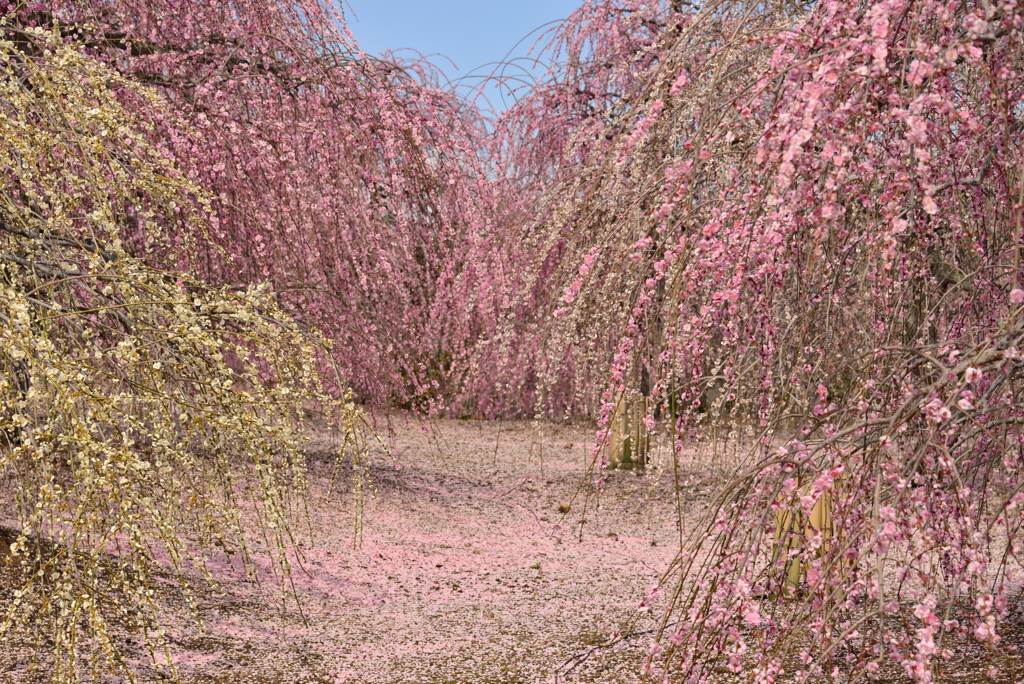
(467, 571)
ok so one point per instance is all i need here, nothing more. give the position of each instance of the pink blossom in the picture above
(937, 411)
(677, 85)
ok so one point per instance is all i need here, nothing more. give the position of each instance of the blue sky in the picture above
(470, 33)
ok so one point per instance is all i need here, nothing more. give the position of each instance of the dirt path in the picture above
(467, 571)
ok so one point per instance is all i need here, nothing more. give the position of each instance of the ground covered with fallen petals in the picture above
(482, 558)
(467, 570)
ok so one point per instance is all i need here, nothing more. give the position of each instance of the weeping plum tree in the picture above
(140, 407)
(802, 223)
(353, 185)
(552, 138)
(795, 223)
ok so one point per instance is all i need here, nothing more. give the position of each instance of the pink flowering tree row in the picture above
(796, 224)
(799, 225)
(353, 185)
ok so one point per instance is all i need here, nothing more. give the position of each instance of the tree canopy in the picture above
(792, 226)
(135, 397)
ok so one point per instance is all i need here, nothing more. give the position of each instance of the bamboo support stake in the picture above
(793, 529)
